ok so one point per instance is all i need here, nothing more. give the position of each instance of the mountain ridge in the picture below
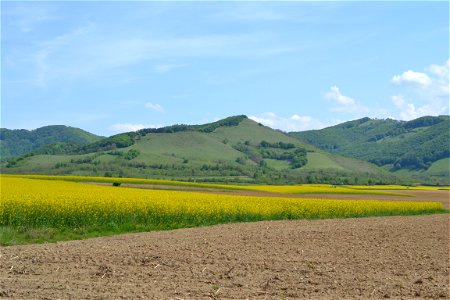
(234, 149)
(398, 146)
(17, 142)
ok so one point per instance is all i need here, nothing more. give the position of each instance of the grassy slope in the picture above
(322, 160)
(249, 130)
(196, 147)
(317, 160)
(39, 163)
(439, 168)
(437, 174)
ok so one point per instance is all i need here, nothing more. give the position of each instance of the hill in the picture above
(234, 149)
(17, 142)
(418, 147)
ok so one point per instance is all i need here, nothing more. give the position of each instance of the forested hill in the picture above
(17, 142)
(235, 149)
(395, 145)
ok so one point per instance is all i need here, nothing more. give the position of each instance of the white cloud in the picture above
(413, 78)
(408, 111)
(155, 107)
(335, 94)
(344, 103)
(293, 123)
(428, 93)
(268, 119)
(296, 117)
(440, 70)
(127, 127)
(441, 79)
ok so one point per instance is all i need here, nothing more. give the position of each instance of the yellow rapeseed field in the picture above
(316, 189)
(398, 187)
(282, 189)
(37, 202)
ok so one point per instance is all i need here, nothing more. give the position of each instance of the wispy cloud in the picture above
(343, 103)
(293, 123)
(91, 51)
(246, 13)
(155, 107)
(26, 17)
(127, 127)
(428, 92)
(166, 68)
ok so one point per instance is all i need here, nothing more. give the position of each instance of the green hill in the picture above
(234, 149)
(417, 147)
(17, 142)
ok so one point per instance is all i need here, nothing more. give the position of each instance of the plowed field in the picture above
(378, 257)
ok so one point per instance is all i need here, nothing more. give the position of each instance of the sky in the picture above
(109, 67)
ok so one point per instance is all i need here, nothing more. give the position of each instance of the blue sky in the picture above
(109, 67)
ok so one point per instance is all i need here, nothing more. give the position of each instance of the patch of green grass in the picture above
(28, 235)
(278, 164)
(321, 160)
(406, 172)
(352, 164)
(317, 160)
(193, 146)
(439, 168)
(11, 235)
(254, 133)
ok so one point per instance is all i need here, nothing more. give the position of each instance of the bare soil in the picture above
(366, 258)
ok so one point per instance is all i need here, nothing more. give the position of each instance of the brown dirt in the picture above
(378, 257)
